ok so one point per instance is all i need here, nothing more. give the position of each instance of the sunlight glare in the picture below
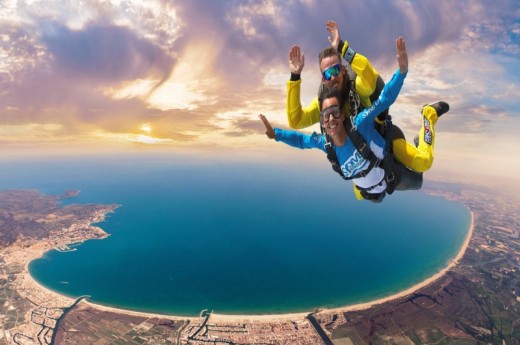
(146, 128)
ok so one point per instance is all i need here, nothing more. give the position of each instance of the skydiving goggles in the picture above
(332, 71)
(333, 110)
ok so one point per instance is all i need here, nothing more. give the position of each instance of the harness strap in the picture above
(392, 180)
(360, 145)
(359, 142)
(332, 157)
(388, 164)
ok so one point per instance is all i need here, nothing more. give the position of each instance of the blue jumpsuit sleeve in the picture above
(385, 99)
(300, 140)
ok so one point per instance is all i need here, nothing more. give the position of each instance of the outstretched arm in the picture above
(392, 88)
(368, 82)
(294, 138)
(298, 116)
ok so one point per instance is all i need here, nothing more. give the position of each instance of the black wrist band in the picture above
(340, 46)
(295, 77)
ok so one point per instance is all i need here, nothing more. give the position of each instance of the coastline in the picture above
(135, 313)
(361, 306)
(38, 251)
(452, 263)
(271, 317)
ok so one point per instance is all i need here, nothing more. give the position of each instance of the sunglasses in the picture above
(332, 71)
(333, 110)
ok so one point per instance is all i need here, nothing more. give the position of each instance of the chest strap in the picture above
(361, 146)
(388, 163)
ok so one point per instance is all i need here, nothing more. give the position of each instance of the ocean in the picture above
(236, 237)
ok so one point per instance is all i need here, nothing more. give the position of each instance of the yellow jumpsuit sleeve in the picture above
(357, 193)
(365, 80)
(366, 75)
(297, 116)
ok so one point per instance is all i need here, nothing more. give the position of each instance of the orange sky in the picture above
(97, 76)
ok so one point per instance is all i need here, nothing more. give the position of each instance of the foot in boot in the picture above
(440, 107)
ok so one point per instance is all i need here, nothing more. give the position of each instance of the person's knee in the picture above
(426, 163)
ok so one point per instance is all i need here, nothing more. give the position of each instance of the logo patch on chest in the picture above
(354, 164)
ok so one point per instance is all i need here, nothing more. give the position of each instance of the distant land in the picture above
(69, 194)
(477, 301)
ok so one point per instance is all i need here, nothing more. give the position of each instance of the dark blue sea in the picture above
(246, 237)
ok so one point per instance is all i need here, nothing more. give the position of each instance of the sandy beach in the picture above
(418, 286)
(272, 317)
(136, 313)
(361, 306)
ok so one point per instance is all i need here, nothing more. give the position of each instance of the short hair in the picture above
(327, 52)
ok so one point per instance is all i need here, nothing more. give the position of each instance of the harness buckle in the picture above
(390, 177)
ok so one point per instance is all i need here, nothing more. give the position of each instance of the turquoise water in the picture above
(236, 237)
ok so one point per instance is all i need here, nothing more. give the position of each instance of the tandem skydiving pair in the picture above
(357, 135)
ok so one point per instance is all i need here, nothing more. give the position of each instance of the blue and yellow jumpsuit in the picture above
(368, 86)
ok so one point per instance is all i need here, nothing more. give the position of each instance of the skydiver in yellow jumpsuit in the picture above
(368, 85)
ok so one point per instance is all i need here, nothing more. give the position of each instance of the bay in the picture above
(237, 237)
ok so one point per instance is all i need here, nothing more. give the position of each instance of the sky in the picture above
(96, 76)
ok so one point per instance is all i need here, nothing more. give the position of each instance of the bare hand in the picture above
(402, 56)
(296, 60)
(269, 131)
(334, 39)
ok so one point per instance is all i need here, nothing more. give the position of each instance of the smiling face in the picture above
(332, 117)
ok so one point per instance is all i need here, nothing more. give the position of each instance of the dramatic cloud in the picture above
(106, 53)
(198, 72)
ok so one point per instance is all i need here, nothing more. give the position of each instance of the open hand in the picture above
(334, 39)
(296, 60)
(269, 131)
(402, 56)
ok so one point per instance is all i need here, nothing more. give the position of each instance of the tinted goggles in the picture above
(333, 110)
(332, 71)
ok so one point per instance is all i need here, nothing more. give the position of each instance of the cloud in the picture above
(245, 127)
(107, 53)
(248, 16)
(198, 72)
(59, 74)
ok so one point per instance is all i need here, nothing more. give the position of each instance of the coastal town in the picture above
(476, 301)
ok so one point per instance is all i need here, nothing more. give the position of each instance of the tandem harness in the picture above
(388, 163)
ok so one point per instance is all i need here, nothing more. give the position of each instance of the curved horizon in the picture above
(283, 316)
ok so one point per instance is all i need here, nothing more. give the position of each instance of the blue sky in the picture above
(88, 76)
